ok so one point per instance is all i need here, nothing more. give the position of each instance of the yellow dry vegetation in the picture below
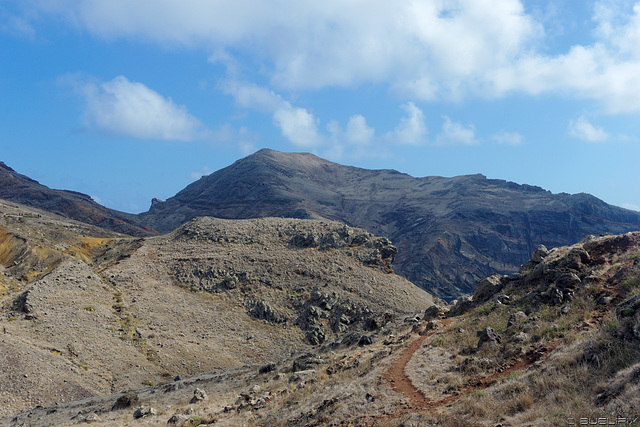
(29, 260)
(11, 247)
(89, 247)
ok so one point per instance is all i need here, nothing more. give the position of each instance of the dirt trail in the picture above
(396, 376)
(398, 379)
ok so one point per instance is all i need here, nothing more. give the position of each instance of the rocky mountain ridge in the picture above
(19, 188)
(450, 232)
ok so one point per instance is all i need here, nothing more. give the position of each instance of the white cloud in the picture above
(15, 25)
(356, 140)
(328, 43)
(584, 130)
(130, 109)
(412, 129)
(358, 132)
(508, 138)
(606, 70)
(454, 133)
(249, 95)
(425, 49)
(296, 124)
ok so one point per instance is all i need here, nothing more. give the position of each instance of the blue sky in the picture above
(127, 101)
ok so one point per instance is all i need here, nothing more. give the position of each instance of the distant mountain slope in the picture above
(450, 232)
(22, 189)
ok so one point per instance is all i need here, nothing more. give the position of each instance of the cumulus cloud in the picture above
(412, 129)
(508, 138)
(354, 141)
(130, 109)
(330, 43)
(296, 124)
(423, 49)
(584, 130)
(454, 133)
(606, 70)
(358, 132)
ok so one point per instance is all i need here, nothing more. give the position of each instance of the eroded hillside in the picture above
(87, 312)
(554, 344)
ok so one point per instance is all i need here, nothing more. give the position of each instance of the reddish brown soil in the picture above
(397, 378)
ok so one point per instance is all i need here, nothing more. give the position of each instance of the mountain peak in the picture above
(291, 158)
(450, 232)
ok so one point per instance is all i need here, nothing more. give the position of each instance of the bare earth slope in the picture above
(450, 231)
(86, 312)
(564, 349)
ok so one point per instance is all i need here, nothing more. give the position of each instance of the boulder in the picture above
(325, 301)
(365, 340)
(628, 312)
(178, 419)
(520, 337)
(504, 299)
(431, 325)
(567, 280)
(517, 318)
(199, 395)
(488, 336)
(316, 334)
(487, 287)
(264, 311)
(435, 312)
(92, 418)
(269, 367)
(125, 401)
(539, 254)
(307, 361)
(581, 254)
(460, 305)
(144, 411)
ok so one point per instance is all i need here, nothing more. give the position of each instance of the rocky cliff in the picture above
(450, 232)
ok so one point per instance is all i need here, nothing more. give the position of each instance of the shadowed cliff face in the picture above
(450, 232)
(70, 204)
